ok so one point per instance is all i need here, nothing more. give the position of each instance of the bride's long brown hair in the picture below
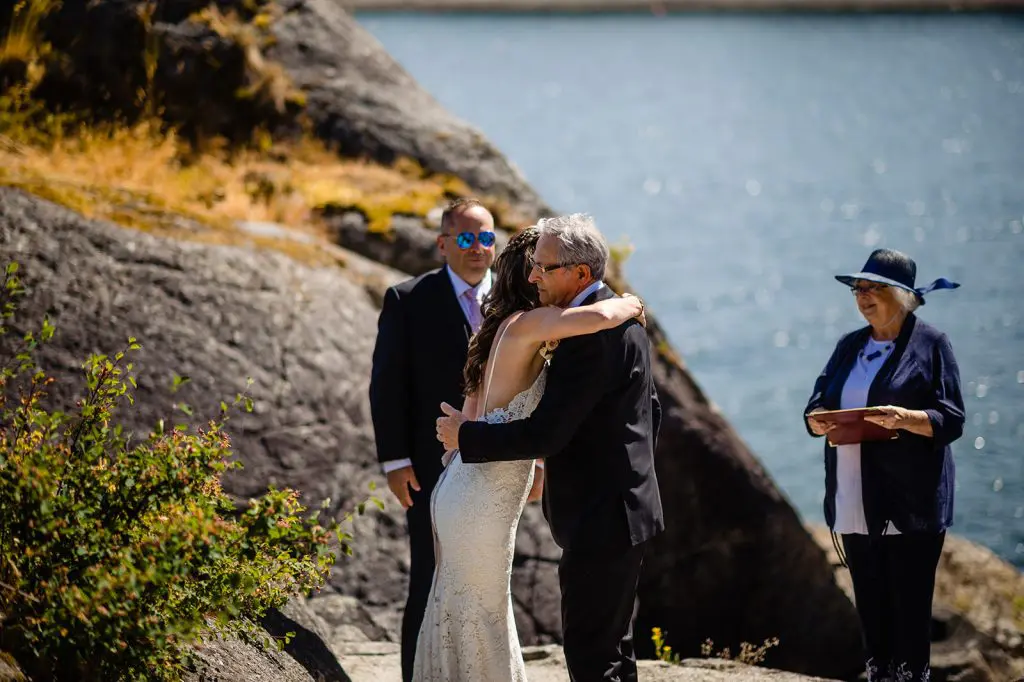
(510, 293)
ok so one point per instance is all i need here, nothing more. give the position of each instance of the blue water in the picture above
(748, 158)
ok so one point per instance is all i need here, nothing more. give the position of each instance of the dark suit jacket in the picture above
(422, 340)
(596, 428)
(907, 481)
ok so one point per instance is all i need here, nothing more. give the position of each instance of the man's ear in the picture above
(583, 272)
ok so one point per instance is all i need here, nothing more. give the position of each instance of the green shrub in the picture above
(116, 551)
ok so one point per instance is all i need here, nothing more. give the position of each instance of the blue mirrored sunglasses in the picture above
(465, 239)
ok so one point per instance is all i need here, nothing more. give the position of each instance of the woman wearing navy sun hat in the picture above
(892, 500)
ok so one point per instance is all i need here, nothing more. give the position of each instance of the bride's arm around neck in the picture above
(552, 323)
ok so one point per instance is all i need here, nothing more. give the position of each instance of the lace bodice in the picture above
(522, 404)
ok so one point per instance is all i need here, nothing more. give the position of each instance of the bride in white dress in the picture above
(469, 632)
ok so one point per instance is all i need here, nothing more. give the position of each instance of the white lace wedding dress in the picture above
(468, 632)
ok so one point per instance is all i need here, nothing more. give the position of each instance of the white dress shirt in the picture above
(849, 494)
(460, 286)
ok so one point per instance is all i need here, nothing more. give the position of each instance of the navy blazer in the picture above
(907, 481)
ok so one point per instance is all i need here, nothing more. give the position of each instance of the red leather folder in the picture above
(851, 427)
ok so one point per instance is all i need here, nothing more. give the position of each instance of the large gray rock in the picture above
(361, 98)
(306, 658)
(305, 637)
(233, 660)
(346, 621)
(218, 315)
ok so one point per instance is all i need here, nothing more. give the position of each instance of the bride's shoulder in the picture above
(510, 323)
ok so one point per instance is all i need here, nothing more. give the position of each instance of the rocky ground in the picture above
(547, 664)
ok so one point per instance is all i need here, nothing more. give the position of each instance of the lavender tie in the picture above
(475, 317)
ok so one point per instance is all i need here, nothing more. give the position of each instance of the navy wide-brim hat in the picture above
(894, 269)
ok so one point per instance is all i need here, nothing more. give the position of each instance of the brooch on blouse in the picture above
(875, 354)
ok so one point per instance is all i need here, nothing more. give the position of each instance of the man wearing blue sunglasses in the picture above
(422, 341)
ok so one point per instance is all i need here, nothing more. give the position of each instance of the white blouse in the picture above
(849, 492)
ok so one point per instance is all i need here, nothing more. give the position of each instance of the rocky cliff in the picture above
(735, 565)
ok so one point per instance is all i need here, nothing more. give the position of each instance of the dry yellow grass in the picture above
(147, 178)
(22, 42)
(267, 80)
(144, 176)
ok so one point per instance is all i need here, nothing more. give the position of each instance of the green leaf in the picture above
(12, 267)
(48, 330)
(178, 382)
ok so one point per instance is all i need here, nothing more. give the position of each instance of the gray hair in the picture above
(579, 241)
(906, 299)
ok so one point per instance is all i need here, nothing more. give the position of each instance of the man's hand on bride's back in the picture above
(448, 426)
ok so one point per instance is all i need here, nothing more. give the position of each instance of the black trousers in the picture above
(421, 575)
(893, 581)
(598, 610)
